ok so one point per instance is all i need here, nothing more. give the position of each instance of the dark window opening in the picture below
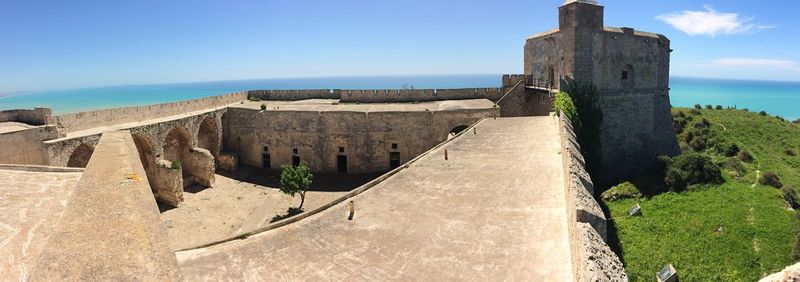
(294, 151)
(295, 160)
(341, 149)
(624, 74)
(341, 164)
(266, 162)
(394, 145)
(394, 160)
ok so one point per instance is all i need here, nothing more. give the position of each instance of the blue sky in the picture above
(51, 44)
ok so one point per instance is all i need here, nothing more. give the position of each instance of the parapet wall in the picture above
(592, 258)
(380, 95)
(37, 116)
(99, 118)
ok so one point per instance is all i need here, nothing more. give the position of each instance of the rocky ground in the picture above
(243, 201)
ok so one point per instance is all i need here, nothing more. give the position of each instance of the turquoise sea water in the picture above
(777, 98)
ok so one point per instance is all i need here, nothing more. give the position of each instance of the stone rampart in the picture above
(106, 117)
(25, 146)
(111, 229)
(37, 116)
(592, 258)
(379, 95)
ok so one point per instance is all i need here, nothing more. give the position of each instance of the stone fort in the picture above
(473, 184)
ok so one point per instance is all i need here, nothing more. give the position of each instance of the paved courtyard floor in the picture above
(471, 217)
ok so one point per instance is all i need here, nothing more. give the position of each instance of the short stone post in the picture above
(445, 154)
(352, 207)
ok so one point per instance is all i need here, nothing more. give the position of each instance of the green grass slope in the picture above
(734, 231)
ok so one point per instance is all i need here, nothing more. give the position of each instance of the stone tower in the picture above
(630, 70)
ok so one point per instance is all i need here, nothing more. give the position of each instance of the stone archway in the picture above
(455, 131)
(81, 155)
(208, 136)
(177, 145)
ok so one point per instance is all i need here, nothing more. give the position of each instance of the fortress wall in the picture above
(293, 95)
(380, 95)
(366, 138)
(37, 116)
(25, 146)
(99, 118)
(592, 258)
(111, 229)
(418, 95)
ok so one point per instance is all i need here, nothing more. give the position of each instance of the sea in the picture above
(774, 97)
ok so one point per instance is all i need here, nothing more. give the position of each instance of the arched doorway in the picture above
(147, 157)
(177, 145)
(80, 157)
(208, 136)
(455, 131)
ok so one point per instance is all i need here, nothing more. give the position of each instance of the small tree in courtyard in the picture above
(296, 180)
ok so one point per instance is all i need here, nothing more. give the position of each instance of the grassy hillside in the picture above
(738, 230)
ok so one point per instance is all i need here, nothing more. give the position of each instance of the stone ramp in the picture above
(111, 228)
(494, 211)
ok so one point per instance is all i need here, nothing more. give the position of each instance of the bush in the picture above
(263, 107)
(254, 98)
(689, 169)
(680, 114)
(727, 149)
(734, 164)
(745, 156)
(624, 190)
(176, 164)
(762, 113)
(698, 144)
(696, 112)
(771, 179)
(564, 104)
(719, 107)
(797, 121)
(790, 152)
(746, 109)
(697, 106)
(780, 118)
(791, 197)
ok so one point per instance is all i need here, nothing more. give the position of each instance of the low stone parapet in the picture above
(111, 229)
(593, 259)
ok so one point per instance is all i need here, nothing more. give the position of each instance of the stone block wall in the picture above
(199, 164)
(592, 258)
(37, 116)
(380, 95)
(167, 183)
(25, 146)
(106, 117)
(365, 138)
(293, 95)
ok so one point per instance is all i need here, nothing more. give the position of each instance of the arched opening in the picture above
(208, 136)
(147, 157)
(176, 147)
(80, 157)
(455, 131)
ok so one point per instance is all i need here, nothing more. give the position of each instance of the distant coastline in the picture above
(776, 97)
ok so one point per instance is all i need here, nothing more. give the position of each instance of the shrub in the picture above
(689, 169)
(678, 125)
(696, 112)
(263, 107)
(745, 156)
(727, 149)
(719, 107)
(679, 114)
(698, 144)
(797, 121)
(780, 118)
(624, 190)
(762, 113)
(254, 98)
(564, 104)
(697, 106)
(176, 164)
(746, 109)
(709, 107)
(791, 197)
(734, 164)
(771, 179)
(790, 152)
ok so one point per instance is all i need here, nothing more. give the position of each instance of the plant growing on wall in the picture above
(176, 164)
(296, 180)
(590, 117)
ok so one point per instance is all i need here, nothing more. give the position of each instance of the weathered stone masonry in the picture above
(630, 69)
